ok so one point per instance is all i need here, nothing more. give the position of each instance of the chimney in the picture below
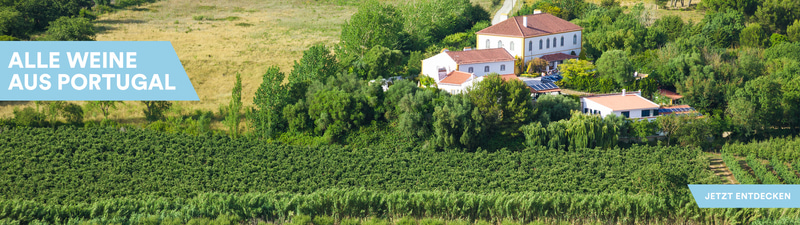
(467, 48)
(623, 92)
(525, 21)
(537, 11)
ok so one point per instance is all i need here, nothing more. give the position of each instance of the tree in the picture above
(393, 96)
(669, 124)
(235, 107)
(672, 26)
(643, 128)
(335, 112)
(70, 29)
(747, 7)
(793, 31)
(317, 64)
(776, 39)
(456, 123)
(374, 24)
(72, 113)
(154, 110)
(505, 106)
(723, 28)
(574, 69)
(41, 12)
(415, 113)
(269, 100)
(105, 107)
(535, 134)
(518, 107)
(702, 90)
(776, 15)
(429, 22)
(536, 66)
(752, 36)
(555, 108)
(757, 107)
(615, 65)
(13, 23)
(519, 65)
(380, 61)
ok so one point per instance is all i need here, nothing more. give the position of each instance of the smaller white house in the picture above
(628, 105)
(457, 82)
(454, 71)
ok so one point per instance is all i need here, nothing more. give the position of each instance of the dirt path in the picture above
(502, 14)
(720, 169)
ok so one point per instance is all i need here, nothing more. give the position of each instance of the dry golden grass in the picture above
(215, 39)
(687, 15)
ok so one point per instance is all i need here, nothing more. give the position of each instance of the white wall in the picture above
(493, 43)
(568, 47)
(456, 89)
(430, 66)
(494, 67)
(591, 105)
(605, 111)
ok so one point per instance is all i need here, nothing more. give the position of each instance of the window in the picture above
(540, 43)
(486, 69)
(575, 39)
(655, 112)
(626, 114)
(554, 42)
(562, 40)
(502, 67)
(499, 44)
(548, 43)
(585, 110)
(487, 44)
(645, 113)
(470, 69)
(530, 45)
(511, 46)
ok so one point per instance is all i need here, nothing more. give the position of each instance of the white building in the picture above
(454, 71)
(540, 35)
(628, 105)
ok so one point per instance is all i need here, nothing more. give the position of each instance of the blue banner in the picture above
(746, 196)
(92, 71)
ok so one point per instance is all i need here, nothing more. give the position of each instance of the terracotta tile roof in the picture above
(456, 77)
(508, 77)
(623, 102)
(538, 25)
(558, 57)
(669, 94)
(480, 56)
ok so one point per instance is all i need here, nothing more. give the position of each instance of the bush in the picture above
(70, 29)
(29, 117)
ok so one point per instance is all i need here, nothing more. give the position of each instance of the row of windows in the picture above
(626, 114)
(486, 69)
(530, 43)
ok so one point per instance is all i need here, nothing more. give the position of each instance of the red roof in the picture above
(669, 94)
(480, 56)
(508, 77)
(456, 77)
(558, 57)
(538, 25)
